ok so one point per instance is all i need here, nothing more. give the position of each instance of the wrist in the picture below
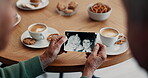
(46, 60)
(88, 72)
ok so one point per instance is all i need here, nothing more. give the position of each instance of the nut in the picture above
(72, 5)
(68, 11)
(120, 42)
(61, 7)
(51, 35)
(100, 8)
(120, 36)
(35, 1)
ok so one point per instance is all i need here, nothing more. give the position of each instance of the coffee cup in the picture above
(109, 36)
(38, 31)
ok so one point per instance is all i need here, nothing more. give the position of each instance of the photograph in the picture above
(80, 41)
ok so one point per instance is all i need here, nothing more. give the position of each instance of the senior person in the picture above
(137, 15)
(33, 67)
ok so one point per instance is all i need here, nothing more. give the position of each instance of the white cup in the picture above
(38, 35)
(109, 41)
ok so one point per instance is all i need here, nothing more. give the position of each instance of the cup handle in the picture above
(42, 36)
(121, 37)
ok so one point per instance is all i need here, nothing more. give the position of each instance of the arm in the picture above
(26, 69)
(95, 59)
(7, 17)
(35, 66)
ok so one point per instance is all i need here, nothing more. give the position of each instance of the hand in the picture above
(94, 60)
(54, 49)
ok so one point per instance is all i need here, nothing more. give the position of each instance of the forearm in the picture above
(46, 60)
(26, 69)
(88, 72)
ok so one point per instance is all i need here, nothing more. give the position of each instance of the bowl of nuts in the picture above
(99, 11)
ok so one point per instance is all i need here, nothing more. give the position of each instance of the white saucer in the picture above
(19, 20)
(115, 49)
(42, 43)
(42, 5)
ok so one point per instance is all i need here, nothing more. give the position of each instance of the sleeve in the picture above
(25, 69)
(84, 77)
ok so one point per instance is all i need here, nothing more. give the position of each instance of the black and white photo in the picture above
(80, 41)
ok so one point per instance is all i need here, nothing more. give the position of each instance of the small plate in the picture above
(42, 5)
(18, 20)
(115, 49)
(42, 43)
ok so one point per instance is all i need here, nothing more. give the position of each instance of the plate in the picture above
(42, 5)
(115, 49)
(18, 20)
(41, 43)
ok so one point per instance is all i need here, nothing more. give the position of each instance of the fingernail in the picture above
(65, 37)
(97, 45)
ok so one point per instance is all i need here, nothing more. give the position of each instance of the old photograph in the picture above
(80, 41)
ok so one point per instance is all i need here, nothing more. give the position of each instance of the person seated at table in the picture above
(33, 67)
(137, 15)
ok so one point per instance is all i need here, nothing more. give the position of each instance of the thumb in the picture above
(96, 49)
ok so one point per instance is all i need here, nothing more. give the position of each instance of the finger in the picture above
(58, 37)
(96, 49)
(53, 41)
(103, 49)
(102, 52)
(61, 41)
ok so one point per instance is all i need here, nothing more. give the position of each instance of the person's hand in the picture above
(54, 49)
(94, 60)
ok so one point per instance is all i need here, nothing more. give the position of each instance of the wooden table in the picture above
(72, 61)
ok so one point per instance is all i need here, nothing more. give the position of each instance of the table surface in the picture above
(71, 61)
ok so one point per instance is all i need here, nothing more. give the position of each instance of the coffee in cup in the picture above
(109, 36)
(38, 31)
(109, 33)
(38, 28)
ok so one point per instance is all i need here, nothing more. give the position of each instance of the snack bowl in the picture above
(98, 16)
(67, 14)
(69, 10)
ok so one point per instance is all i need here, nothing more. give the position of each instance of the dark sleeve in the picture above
(26, 69)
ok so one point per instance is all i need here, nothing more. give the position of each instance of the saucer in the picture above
(115, 49)
(42, 5)
(41, 43)
(18, 20)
